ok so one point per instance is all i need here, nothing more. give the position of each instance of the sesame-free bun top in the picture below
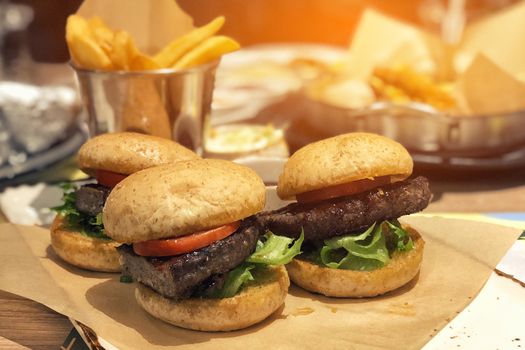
(129, 152)
(179, 199)
(343, 159)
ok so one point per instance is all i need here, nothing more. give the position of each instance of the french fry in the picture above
(75, 26)
(93, 45)
(123, 50)
(143, 62)
(169, 55)
(102, 33)
(401, 84)
(209, 50)
(84, 50)
(126, 56)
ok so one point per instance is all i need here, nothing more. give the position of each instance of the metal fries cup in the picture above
(169, 103)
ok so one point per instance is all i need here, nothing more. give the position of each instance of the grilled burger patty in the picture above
(179, 276)
(90, 199)
(339, 216)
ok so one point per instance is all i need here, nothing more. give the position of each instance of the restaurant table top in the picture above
(27, 324)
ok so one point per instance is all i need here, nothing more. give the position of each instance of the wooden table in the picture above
(26, 324)
(478, 193)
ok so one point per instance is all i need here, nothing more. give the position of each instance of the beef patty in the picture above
(90, 199)
(179, 276)
(344, 215)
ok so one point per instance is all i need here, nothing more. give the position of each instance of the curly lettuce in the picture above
(276, 250)
(365, 251)
(74, 220)
(272, 250)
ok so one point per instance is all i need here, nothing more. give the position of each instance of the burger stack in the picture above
(192, 243)
(191, 234)
(77, 233)
(350, 191)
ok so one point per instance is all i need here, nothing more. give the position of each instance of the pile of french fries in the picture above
(93, 45)
(402, 84)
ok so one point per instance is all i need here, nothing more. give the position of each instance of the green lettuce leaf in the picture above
(274, 250)
(403, 240)
(235, 279)
(365, 251)
(74, 220)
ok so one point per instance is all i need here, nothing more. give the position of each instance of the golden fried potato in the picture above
(180, 46)
(402, 84)
(209, 50)
(123, 50)
(85, 51)
(143, 62)
(102, 33)
(93, 45)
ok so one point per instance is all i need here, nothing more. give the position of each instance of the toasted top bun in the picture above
(182, 198)
(129, 152)
(343, 159)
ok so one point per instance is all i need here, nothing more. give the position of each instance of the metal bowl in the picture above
(424, 130)
(166, 102)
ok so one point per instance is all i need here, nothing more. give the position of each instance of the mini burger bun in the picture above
(129, 152)
(179, 199)
(401, 269)
(253, 304)
(343, 159)
(89, 253)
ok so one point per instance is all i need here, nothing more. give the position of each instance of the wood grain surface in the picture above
(26, 324)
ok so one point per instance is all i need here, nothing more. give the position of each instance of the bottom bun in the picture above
(402, 268)
(89, 253)
(253, 304)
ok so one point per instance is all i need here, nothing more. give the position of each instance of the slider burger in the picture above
(193, 246)
(77, 233)
(350, 190)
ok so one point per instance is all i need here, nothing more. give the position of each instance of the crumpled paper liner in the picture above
(485, 88)
(459, 257)
(382, 40)
(152, 24)
(490, 56)
(499, 37)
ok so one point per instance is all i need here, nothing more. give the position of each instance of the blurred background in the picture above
(262, 21)
(288, 86)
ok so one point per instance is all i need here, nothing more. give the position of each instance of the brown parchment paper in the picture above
(459, 257)
(152, 24)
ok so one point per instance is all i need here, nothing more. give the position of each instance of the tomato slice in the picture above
(108, 178)
(185, 244)
(342, 190)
